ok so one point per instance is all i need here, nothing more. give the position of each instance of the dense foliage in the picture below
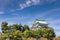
(17, 31)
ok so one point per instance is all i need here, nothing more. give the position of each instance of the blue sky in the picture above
(26, 11)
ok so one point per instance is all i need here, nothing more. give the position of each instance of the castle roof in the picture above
(41, 21)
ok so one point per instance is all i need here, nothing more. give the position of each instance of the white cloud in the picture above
(22, 6)
(29, 3)
(36, 1)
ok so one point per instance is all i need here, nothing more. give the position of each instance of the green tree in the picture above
(17, 27)
(17, 34)
(26, 27)
(4, 26)
(17, 31)
(36, 34)
(27, 33)
(47, 33)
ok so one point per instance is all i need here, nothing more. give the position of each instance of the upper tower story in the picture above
(39, 23)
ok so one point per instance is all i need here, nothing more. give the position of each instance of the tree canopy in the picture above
(17, 31)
